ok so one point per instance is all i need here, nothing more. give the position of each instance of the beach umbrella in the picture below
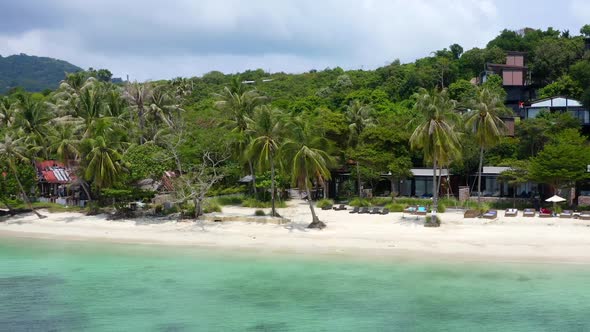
(555, 199)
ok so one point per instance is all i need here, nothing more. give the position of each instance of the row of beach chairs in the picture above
(356, 209)
(543, 213)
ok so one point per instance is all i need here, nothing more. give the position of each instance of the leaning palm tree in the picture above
(484, 121)
(14, 150)
(266, 131)
(306, 159)
(359, 117)
(435, 135)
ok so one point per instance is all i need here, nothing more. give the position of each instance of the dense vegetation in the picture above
(32, 73)
(292, 129)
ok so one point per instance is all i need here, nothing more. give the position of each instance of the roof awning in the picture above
(428, 172)
(494, 170)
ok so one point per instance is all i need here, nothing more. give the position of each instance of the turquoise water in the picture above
(73, 286)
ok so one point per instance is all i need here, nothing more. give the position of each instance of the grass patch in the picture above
(211, 205)
(254, 203)
(322, 203)
(230, 200)
(359, 202)
(380, 201)
(395, 207)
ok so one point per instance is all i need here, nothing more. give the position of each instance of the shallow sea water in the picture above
(78, 286)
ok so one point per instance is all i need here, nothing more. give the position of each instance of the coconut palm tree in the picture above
(484, 121)
(6, 112)
(435, 134)
(239, 107)
(306, 159)
(64, 143)
(359, 117)
(266, 131)
(31, 116)
(101, 161)
(14, 150)
(139, 96)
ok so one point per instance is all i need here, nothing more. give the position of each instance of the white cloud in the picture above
(151, 39)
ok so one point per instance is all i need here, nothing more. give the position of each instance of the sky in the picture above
(149, 39)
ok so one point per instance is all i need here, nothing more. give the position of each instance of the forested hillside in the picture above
(297, 129)
(32, 73)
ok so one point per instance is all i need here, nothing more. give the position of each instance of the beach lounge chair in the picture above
(364, 210)
(340, 207)
(529, 213)
(375, 211)
(410, 209)
(421, 211)
(545, 213)
(356, 209)
(585, 215)
(385, 211)
(511, 213)
(490, 214)
(566, 214)
(327, 207)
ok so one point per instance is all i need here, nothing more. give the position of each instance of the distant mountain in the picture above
(32, 73)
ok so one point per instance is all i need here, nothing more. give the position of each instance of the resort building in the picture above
(515, 78)
(556, 104)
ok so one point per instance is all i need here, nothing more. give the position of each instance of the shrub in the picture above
(428, 222)
(360, 202)
(211, 206)
(441, 207)
(413, 201)
(380, 201)
(324, 203)
(259, 213)
(395, 207)
(230, 200)
(254, 203)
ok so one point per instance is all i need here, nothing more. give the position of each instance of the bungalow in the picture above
(491, 186)
(53, 182)
(420, 184)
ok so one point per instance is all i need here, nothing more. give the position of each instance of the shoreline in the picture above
(372, 238)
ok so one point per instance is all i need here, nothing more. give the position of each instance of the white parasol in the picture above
(555, 199)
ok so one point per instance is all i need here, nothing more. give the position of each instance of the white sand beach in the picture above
(373, 236)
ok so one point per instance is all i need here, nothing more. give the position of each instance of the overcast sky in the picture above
(150, 39)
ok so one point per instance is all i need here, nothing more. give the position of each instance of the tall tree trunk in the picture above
(272, 186)
(514, 197)
(197, 203)
(253, 178)
(141, 124)
(434, 193)
(25, 196)
(479, 176)
(316, 223)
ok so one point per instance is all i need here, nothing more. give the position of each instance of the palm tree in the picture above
(435, 134)
(305, 160)
(485, 123)
(139, 97)
(6, 112)
(14, 151)
(64, 143)
(102, 161)
(31, 116)
(359, 117)
(266, 132)
(239, 108)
